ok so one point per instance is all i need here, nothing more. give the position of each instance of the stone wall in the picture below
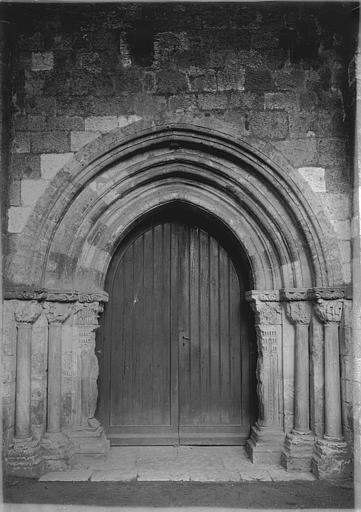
(277, 73)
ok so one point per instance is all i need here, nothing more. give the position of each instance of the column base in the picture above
(55, 450)
(298, 451)
(23, 458)
(331, 459)
(265, 444)
(88, 442)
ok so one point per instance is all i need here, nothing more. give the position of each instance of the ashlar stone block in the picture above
(315, 177)
(18, 216)
(51, 163)
(31, 190)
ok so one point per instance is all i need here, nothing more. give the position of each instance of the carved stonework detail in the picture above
(299, 312)
(57, 313)
(56, 296)
(27, 311)
(329, 311)
(87, 323)
(294, 294)
(267, 313)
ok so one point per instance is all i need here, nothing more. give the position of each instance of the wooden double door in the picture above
(177, 345)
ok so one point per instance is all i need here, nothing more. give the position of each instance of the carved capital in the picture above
(299, 312)
(267, 313)
(329, 311)
(57, 312)
(327, 293)
(27, 312)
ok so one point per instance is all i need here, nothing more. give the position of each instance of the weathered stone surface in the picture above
(212, 102)
(51, 163)
(21, 143)
(269, 125)
(259, 80)
(315, 177)
(18, 217)
(280, 101)
(42, 61)
(50, 142)
(75, 475)
(31, 190)
(101, 123)
(80, 139)
(331, 459)
(25, 165)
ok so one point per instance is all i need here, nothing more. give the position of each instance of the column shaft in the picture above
(54, 378)
(302, 417)
(23, 381)
(333, 423)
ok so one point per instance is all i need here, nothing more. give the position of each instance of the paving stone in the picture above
(76, 475)
(114, 475)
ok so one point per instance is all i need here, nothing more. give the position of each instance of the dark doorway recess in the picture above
(176, 345)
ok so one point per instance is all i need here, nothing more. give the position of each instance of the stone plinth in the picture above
(331, 459)
(24, 458)
(298, 451)
(265, 444)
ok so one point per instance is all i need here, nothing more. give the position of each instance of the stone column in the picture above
(299, 443)
(87, 435)
(331, 457)
(55, 446)
(23, 455)
(267, 436)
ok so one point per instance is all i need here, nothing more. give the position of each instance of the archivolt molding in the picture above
(113, 181)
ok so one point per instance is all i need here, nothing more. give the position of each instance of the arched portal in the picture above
(95, 202)
(177, 340)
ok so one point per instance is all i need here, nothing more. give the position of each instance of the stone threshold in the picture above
(177, 464)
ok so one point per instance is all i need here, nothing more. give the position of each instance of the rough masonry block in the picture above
(26, 165)
(80, 139)
(269, 125)
(50, 142)
(21, 143)
(42, 61)
(101, 123)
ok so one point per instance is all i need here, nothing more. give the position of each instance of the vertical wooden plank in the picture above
(149, 351)
(235, 347)
(185, 336)
(224, 334)
(214, 333)
(205, 418)
(176, 320)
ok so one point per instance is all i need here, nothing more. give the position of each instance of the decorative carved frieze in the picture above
(329, 311)
(27, 311)
(294, 294)
(56, 296)
(299, 312)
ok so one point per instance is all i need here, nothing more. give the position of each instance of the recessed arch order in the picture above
(117, 179)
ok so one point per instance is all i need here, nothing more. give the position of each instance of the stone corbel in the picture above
(331, 456)
(23, 455)
(267, 435)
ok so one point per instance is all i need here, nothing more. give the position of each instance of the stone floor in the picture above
(176, 463)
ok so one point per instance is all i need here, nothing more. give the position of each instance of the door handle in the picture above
(184, 338)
